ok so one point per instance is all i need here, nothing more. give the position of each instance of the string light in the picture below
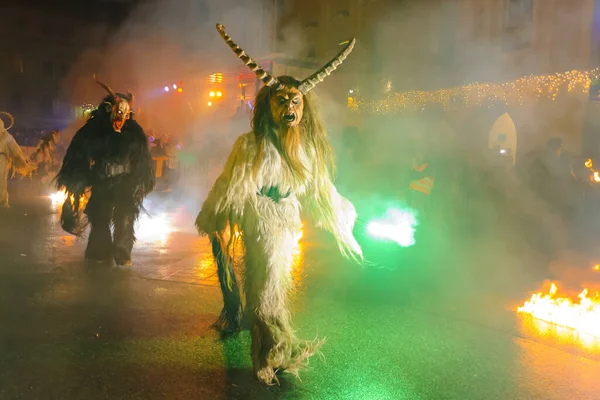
(479, 94)
(87, 107)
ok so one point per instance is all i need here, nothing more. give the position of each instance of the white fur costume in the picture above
(262, 194)
(270, 234)
(11, 157)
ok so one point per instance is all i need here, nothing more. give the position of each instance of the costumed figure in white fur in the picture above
(281, 167)
(11, 158)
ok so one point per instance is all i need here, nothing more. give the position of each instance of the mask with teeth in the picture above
(287, 107)
(120, 113)
(119, 106)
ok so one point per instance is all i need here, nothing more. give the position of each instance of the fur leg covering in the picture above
(230, 319)
(268, 281)
(124, 237)
(4, 167)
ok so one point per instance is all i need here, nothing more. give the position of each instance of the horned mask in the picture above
(119, 106)
(12, 121)
(287, 103)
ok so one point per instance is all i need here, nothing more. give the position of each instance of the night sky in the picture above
(112, 11)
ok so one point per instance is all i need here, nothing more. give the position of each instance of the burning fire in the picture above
(582, 316)
(595, 176)
(58, 198)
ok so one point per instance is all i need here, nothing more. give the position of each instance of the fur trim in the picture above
(270, 235)
(88, 147)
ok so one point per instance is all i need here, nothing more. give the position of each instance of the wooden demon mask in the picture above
(119, 106)
(287, 106)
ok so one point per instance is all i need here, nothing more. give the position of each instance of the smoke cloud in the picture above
(492, 222)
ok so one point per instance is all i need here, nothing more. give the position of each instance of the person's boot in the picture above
(123, 257)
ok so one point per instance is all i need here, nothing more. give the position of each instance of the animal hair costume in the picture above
(110, 156)
(11, 157)
(282, 166)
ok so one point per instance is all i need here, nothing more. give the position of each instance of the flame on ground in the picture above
(582, 316)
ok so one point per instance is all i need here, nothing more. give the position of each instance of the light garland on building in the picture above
(87, 107)
(478, 94)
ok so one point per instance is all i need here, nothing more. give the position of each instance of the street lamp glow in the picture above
(166, 88)
(210, 103)
(212, 94)
(219, 94)
(174, 86)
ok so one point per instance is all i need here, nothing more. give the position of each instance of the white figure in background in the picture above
(12, 159)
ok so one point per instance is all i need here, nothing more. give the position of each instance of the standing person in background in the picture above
(11, 158)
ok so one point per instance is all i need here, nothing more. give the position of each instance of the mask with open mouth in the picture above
(119, 105)
(120, 114)
(287, 107)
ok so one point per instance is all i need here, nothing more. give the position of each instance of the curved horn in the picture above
(103, 86)
(309, 83)
(12, 119)
(130, 97)
(268, 79)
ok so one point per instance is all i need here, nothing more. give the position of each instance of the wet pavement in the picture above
(433, 328)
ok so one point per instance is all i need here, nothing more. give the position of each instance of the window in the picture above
(281, 7)
(518, 24)
(479, 20)
(518, 14)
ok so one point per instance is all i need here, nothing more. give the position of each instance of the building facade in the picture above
(426, 45)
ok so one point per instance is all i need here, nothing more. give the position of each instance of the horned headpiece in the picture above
(12, 120)
(128, 96)
(269, 80)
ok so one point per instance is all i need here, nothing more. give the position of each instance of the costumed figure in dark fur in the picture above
(109, 156)
(282, 166)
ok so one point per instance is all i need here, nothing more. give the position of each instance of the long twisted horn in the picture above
(103, 86)
(12, 119)
(309, 83)
(268, 79)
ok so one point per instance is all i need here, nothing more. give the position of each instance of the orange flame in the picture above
(582, 316)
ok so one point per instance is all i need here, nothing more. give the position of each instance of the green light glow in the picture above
(397, 226)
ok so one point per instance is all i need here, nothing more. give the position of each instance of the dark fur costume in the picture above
(116, 198)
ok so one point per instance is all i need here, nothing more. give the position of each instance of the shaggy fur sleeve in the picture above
(142, 172)
(334, 213)
(74, 174)
(20, 162)
(232, 189)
